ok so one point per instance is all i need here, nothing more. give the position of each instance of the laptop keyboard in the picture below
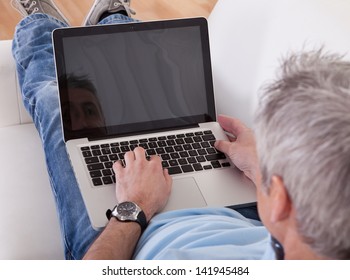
(180, 153)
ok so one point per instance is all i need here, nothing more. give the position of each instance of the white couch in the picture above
(248, 38)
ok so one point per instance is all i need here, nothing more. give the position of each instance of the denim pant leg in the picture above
(32, 50)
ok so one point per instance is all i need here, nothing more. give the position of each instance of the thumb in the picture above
(223, 146)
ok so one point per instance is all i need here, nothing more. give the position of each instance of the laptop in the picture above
(144, 84)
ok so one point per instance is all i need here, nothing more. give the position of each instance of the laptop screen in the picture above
(134, 78)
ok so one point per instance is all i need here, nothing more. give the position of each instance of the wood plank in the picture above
(75, 11)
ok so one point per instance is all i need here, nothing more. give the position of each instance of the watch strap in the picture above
(141, 219)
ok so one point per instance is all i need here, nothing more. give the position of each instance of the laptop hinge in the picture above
(142, 132)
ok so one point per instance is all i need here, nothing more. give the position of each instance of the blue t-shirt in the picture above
(204, 233)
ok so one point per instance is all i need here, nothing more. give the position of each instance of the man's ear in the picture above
(280, 203)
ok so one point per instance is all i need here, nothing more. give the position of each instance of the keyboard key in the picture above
(173, 162)
(165, 157)
(95, 166)
(200, 159)
(216, 164)
(169, 149)
(124, 143)
(97, 182)
(215, 156)
(87, 154)
(105, 146)
(95, 174)
(174, 170)
(106, 151)
(208, 132)
(115, 150)
(171, 137)
(189, 140)
(96, 152)
(165, 164)
(184, 154)
(153, 139)
(106, 172)
(160, 151)
(178, 148)
(187, 168)
(174, 155)
(91, 160)
(108, 164)
(113, 157)
(197, 167)
(180, 136)
(208, 137)
(125, 149)
(133, 142)
(187, 147)
(94, 147)
(85, 148)
(198, 133)
(206, 167)
(226, 164)
(196, 146)
(180, 141)
(103, 158)
(205, 144)
(211, 151)
(107, 180)
(202, 152)
(192, 160)
(151, 152)
(152, 145)
(182, 161)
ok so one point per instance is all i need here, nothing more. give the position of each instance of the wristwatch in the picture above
(128, 212)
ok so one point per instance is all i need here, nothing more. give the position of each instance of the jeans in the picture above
(33, 53)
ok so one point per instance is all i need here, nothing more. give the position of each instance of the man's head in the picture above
(303, 141)
(82, 105)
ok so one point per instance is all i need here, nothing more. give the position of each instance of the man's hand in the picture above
(143, 181)
(241, 148)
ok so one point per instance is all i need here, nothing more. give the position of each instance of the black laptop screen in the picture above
(132, 78)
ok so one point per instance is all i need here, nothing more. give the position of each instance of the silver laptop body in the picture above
(144, 84)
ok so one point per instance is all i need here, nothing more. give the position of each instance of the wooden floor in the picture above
(76, 10)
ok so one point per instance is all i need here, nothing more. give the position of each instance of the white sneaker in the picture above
(111, 6)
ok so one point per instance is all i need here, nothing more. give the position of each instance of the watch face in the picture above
(126, 208)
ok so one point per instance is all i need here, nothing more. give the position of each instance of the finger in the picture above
(129, 157)
(168, 178)
(155, 158)
(117, 167)
(232, 125)
(140, 153)
(223, 146)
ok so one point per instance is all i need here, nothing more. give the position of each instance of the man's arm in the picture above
(141, 181)
(241, 148)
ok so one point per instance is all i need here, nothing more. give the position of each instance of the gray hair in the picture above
(303, 136)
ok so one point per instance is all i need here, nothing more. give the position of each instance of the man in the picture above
(302, 175)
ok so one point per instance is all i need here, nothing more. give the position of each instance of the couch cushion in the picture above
(29, 223)
(11, 107)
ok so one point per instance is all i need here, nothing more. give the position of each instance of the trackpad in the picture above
(185, 194)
